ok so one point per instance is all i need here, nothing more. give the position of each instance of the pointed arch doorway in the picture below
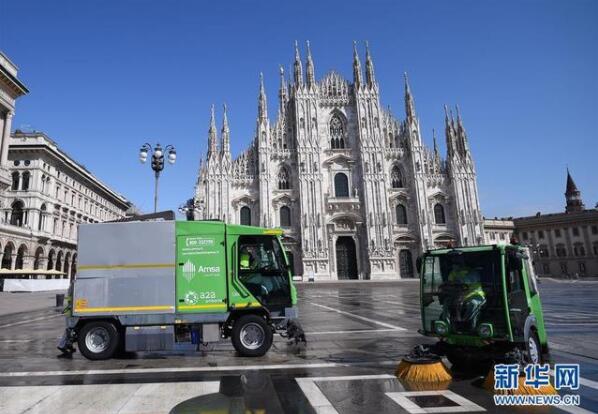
(346, 258)
(406, 264)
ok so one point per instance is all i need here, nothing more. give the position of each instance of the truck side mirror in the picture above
(418, 264)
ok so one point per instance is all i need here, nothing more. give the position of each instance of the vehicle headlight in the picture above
(441, 328)
(486, 330)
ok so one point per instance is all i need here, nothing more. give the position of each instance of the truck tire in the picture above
(251, 336)
(98, 340)
(533, 349)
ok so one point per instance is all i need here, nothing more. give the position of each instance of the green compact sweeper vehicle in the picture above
(168, 285)
(483, 305)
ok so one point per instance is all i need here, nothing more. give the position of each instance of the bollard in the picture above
(59, 300)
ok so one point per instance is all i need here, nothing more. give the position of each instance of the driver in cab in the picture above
(463, 296)
(251, 274)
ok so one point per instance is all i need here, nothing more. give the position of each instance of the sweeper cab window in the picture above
(263, 270)
(462, 289)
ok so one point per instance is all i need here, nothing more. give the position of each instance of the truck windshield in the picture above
(263, 270)
(463, 289)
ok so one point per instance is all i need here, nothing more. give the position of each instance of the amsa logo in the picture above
(197, 241)
(208, 269)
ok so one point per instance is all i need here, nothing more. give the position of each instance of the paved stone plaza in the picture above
(356, 332)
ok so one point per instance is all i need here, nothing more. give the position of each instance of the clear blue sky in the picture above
(107, 76)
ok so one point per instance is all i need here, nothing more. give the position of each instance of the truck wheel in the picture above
(534, 351)
(251, 336)
(98, 340)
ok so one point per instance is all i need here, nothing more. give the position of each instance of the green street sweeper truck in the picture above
(483, 305)
(173, 285)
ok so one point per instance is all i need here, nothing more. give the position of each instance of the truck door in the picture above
(201, 273)
(262, 270)
(517, 297)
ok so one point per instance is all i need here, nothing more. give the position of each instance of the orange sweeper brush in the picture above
(422, 366)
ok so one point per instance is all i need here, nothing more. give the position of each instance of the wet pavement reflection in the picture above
(356, 334)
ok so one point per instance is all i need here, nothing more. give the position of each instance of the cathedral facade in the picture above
(355, 189)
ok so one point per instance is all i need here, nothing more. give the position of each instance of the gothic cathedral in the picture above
(355, 189)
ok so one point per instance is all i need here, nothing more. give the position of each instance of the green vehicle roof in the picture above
(483, 248)
(187, 228)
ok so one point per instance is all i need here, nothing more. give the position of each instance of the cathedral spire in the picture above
(573, 195)
(356, 67)
(461, 134)
(282, 92)
(262, 104)
(298, 68)
(309, 69)
(409, 104)
(212, 135)
(369, 67)
(448, 132)
(436, 151)
(225, 134)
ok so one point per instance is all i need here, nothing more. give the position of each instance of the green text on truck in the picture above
(173, 285)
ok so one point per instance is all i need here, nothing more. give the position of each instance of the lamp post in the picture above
(157, 163)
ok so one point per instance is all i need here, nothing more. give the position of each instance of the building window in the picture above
(575, 231)
(17, 214)
(246, 216)
(582, 267)
(546, 268)
(579, 249)
(341, 185)
(396, 178)
(439, 217)
(285, 216)
(284, 183)
(596, 248)
(524, 235)
(337, 133)
(563, 267)
(543, 251)
(557, 232)
(540, 234)
(15, 181)
(25, 182)
(561, 251)
(594, 229)
(401, 214)
(502, 236)
(42, 217)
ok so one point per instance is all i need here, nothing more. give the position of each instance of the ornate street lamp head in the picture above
(143, 154)
(158, 151)
(172, 156)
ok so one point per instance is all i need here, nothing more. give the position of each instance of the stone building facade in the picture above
(355, 188)
(498, 231)
(48, 196)
(11, 88)
(563, 244)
